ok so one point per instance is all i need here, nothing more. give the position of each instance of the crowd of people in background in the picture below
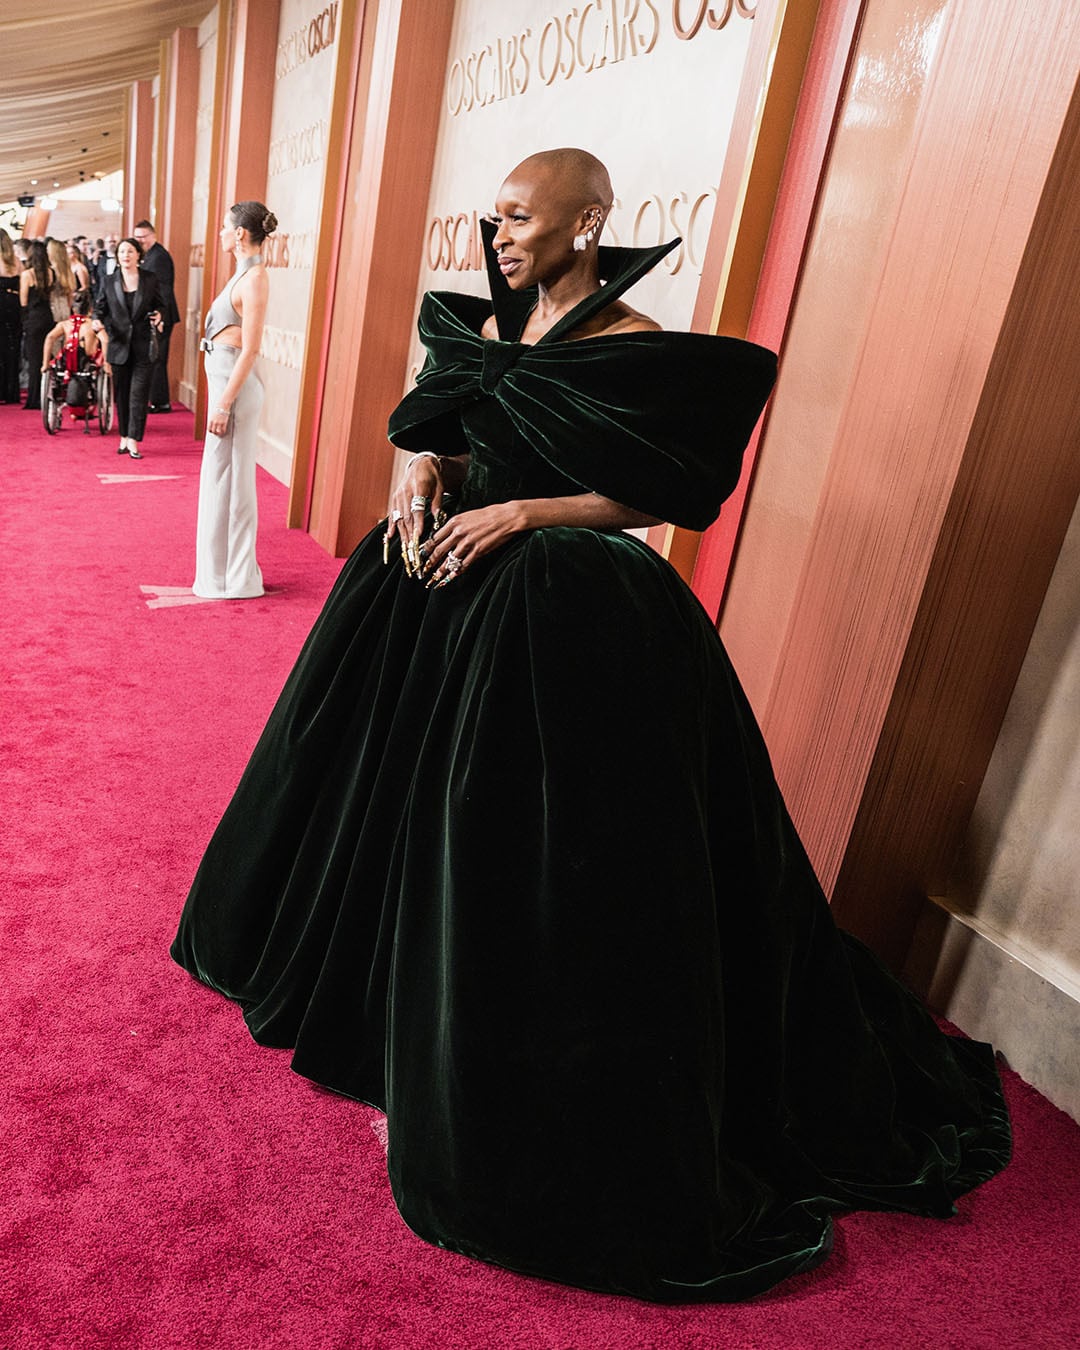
(126, 285)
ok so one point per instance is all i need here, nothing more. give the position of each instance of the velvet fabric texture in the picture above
(510, 863)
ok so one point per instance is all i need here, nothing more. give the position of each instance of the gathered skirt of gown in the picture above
(509, 862)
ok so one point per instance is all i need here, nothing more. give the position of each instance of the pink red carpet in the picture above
(166, 1183)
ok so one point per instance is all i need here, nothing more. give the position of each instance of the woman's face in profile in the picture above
(127, 255)
(534, 239)
(227, 234)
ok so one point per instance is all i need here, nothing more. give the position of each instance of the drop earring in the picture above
(582, 241)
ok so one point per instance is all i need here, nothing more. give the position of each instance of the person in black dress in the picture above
(129, 307)
(509, 861)
(35, 287)
(10, 320)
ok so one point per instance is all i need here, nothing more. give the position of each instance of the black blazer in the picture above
(129, 334)
(159, 261)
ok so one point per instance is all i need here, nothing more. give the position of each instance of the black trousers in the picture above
(131, 381)
(159, 381)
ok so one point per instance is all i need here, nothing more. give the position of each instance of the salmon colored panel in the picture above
(401, 75)
(861, 190)
(138, 153)
(815, 117)
(179, 98)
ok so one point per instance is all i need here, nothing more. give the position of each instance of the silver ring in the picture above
(419, 503)
(453, 563)
(395, 516)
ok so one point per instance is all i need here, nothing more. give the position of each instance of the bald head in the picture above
(571, 179)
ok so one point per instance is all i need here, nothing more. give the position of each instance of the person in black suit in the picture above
(130, 309)
(104, 264)
(157, 259)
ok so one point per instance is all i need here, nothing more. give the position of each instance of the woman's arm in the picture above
(252, 306)
(50, 338)
(473, 533)
(24, 287)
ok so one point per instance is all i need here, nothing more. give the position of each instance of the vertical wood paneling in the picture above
(1006, 519)
(750, 180)
(349, 83)
(217, 188)
(179, 105)
(804, 159)
(988, 130)
(240, 146)
(138, 153)
(402, 67)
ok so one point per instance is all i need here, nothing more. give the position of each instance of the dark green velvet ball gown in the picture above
(509, 862)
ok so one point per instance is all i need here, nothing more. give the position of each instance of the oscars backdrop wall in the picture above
(200, 195)
(304, 79)
(650, 86)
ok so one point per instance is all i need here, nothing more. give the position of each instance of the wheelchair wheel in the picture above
(106, 406)
(52, 409)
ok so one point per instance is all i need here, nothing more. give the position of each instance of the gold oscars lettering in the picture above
(715, 15)
(297, 148)
(578, 41)
(311, 38)
(454, 243)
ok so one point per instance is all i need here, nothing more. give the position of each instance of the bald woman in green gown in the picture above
(509, 861)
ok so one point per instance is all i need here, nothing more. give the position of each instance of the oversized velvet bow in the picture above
(655, 420)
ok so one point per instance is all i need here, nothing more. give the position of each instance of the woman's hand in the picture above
(217, 423)
(419, 494)
(468, 536)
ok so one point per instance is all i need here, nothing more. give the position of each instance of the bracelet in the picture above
(221, 412)
(423, 454)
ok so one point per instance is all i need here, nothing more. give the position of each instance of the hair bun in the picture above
(269, 223)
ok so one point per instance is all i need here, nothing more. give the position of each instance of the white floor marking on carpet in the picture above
(167, 597)
(381, 1131)
(108, 479)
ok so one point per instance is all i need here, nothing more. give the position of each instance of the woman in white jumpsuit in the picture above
(225, 564)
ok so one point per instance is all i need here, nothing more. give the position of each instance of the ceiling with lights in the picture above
(65, 69)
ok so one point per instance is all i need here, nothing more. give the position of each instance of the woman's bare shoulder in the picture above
(634, 322)
(619, 318)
